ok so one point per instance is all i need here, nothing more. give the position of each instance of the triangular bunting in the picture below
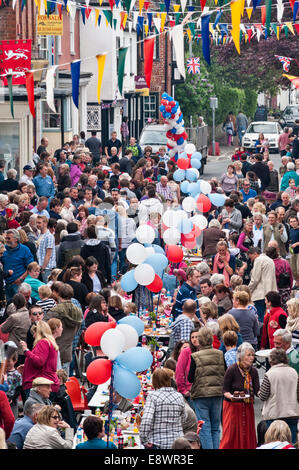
(101, 58)
(249, 12)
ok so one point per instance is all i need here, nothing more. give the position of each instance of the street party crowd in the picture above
(66, 223)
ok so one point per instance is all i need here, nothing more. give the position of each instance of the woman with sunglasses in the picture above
(45, 433)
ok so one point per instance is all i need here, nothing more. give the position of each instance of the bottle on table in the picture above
(143, 341)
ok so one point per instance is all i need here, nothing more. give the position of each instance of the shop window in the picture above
(10, 145)
(50, 119)
(150, 107)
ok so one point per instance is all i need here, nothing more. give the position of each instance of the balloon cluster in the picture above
(150, 262)
(118, 342)
(176, 133)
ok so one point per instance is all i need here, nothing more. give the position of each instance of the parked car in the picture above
(261, 113)
(154, 135)
(289, 115)
(271, 131)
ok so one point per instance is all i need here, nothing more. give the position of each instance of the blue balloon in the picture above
(167, 115)
(173, 130)
(126, 383)
(158, 249)
(195, 163)
(217, 199)
(194, 188)
(179, 175)
(158, 262)
(196, 155)
(164, 95)
(191, 175)
(128, 282)
(135, 322)
(135, 359)
(162, 108)
(179, 119)
(180, 141)
(185, 187)
(185, 226)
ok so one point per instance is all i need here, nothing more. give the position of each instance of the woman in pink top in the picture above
(75, 170)
(42, 360)
(183, 365)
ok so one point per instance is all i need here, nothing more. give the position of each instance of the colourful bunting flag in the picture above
(108, 15)
(30, 92)
(111, 3)
(268, 15)
(296, 26)
(295, 10)
(101, 58)
(163, 19)
(146, 5)
(75, 73)
(167, 4)
(263, 14)
(9, 84)
(121, 67)
(176, 8)
(148, 53)
(249, 12)
(59, 8)
(205, 32)
(83, 14)
(150, 19)
(290, 26)
(236, 19)
(203, 4)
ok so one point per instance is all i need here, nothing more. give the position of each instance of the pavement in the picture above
(225, 153)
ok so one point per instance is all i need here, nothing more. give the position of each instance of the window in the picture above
(150, 106)
(10, 145)
(51, 120)
(43, 47)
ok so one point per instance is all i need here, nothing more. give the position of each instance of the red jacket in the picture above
(41, 362)
(272, 322)
(182, 370)
(7, 419)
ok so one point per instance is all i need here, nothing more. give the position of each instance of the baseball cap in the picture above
(28, 167)
(41, 381)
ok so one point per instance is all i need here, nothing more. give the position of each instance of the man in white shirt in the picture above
(27, 176)
(258, 234)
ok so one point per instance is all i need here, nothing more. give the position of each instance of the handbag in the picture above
(284, 279)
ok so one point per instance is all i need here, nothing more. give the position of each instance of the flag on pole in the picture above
(193, 65)
(286, 61)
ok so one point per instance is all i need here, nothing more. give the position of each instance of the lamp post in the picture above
(213, 105)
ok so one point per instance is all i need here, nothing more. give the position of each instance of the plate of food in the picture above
(240, 395)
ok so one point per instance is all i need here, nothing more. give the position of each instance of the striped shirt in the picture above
(46, 241)
(46, 304)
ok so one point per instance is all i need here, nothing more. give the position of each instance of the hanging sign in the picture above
(52, 26)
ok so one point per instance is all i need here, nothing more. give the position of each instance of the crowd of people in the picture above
(65, 225)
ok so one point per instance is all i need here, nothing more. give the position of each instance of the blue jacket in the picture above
(44, 186)
(185, 292)
(20, 430)
(16, 259)
(95, 443)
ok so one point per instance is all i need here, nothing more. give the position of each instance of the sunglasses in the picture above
(34, 314)
(55, 417)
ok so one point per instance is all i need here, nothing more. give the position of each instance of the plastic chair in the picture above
(77, 394)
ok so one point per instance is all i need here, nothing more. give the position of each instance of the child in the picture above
(291, 190)
(288, 150)
(230, 340)
(45, 302)
(14, 382)
(130, 307)
(67, 210)
(53, 276)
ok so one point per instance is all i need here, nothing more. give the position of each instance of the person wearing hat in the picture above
(40, 391)
(193, 438)
(27, 175)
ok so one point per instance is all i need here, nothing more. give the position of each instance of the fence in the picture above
(199, 137)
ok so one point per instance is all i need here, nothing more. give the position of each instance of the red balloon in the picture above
(94, 332)
(190, 244)
(99, 371)
(203, 203)
(164, 101)
(156, 285)
(183, 163)
(172, 103)
(196, 230)
(174, 253)
(189, 237)
(168, 108)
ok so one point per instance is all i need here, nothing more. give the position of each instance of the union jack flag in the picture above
(286, 61)
(193, 65)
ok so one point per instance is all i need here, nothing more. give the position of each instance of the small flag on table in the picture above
(193, 65)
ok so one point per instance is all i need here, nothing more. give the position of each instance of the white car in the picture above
(153, 135)
(271, 131)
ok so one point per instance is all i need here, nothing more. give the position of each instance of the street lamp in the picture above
(213, 105)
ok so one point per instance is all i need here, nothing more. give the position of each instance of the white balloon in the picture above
(190, 148)
(205, 187)
(144, 274)
(171, 143)
(136, 253)
(171, 236)
(195, 170)
(130, 335)
(171, 153)
(145, 234)
(189, 204)
(112, 343)
(169, 218)
(180, 215)
(200, 221)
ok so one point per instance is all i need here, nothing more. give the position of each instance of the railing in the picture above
(199, 137)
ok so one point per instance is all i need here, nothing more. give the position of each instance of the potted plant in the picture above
(153, 344)
(151, 318)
